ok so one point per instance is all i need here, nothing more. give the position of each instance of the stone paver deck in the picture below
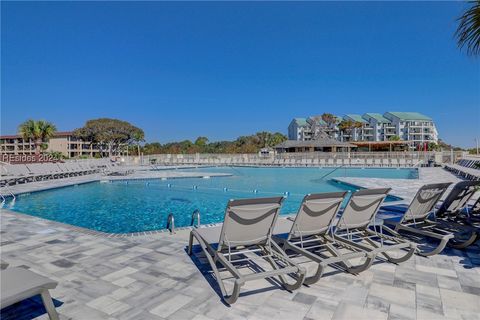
(405, 188)
(152, 277)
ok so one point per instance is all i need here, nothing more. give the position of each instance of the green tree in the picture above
(243, 144)
(37, 131)
(330, 121)
(346, 126)
(394, 138)
(432, 146)
(201, 142)
(276, 138)
(109, 134)
(468, 30)
(138, 136)
(57, 155)
(152, 148)
(263, 138)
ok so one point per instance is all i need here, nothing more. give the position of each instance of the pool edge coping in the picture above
(108, 235)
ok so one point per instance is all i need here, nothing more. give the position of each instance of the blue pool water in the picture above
(143, 205)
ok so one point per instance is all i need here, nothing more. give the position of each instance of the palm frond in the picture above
(468, 31)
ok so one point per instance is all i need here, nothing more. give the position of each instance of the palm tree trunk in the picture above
(138, 149)
(38, 144)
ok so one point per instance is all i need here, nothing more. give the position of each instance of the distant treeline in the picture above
(243, 144)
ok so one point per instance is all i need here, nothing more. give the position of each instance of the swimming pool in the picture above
(143, 205)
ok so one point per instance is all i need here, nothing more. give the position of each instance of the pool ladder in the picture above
(195, 214)
(10, 194)
(171, 221)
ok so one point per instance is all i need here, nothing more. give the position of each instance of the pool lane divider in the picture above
(224, 189)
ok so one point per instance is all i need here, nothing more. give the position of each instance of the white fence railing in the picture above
(311, 158)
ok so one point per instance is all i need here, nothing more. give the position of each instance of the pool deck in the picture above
(404, 188)
(152, 277)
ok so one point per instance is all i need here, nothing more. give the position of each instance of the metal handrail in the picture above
(329, 173)
(416, 165)
(195, 214)
(10, 194)
(171, 223)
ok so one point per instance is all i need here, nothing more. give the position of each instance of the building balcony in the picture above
(419, 133)
(421, 125)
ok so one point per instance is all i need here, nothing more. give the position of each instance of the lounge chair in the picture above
(19, 284)
(246, 236)
(473, 213)
(16, 173)
(455, 207)
(415, 223)
(358, 228)
(457, 199)
(307, 235)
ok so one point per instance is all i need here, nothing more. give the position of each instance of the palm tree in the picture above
(468, 31)
(138, 136)
(37, 131)
(263, 137)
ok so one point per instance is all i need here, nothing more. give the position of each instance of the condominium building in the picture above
(414, 128)
(300, 129)
(64, 142)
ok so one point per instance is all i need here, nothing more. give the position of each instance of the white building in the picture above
(364, 132)
(383, 128)
(299, 130)
(412, 127)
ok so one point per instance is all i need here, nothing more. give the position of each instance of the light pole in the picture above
(476, 141)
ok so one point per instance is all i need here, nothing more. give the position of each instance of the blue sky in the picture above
(223, 69)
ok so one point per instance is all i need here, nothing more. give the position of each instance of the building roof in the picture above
(355, 117)
(376, 116)
(319, 143)
(317, 119)
(409, 116)
(57, 134)
(301, 122)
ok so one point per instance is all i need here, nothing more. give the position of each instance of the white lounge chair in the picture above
(245, 237)
(18, 284)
